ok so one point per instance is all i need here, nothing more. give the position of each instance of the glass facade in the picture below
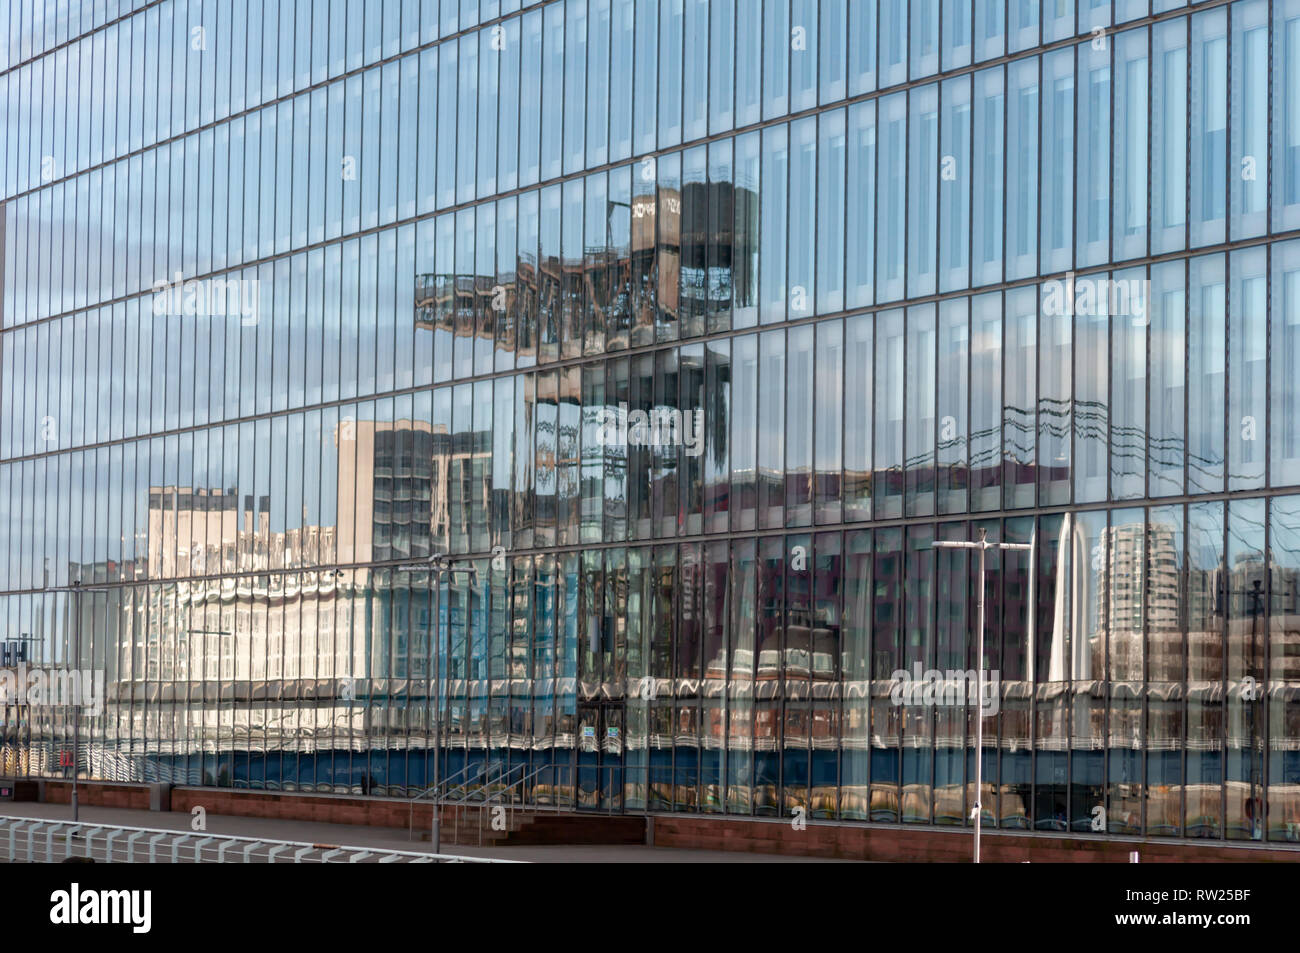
(298, 293)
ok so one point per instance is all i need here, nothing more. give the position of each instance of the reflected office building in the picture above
(466, 236)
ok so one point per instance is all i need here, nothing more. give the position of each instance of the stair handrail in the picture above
(510, 788)
(461, 791)
(445, 781)
(500, 794)
(523, 780)
(432, 789)
(501, 772)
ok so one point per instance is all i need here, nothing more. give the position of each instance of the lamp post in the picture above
(76, 711)
(203, 678)
(983, 545)
(75, 588)
(436, 565)
(1256, 594)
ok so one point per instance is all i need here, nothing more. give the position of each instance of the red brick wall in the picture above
(547, 827)
(897, 844)
(704, 833)
(99, 794)
(370, 812)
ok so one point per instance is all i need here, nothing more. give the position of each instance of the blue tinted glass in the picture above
(893, 42)
(1169, 136)
(955, 187)
(1057, 168)
(598, 83)
(1131, 145)
(802, 277)
(776, 58)
(805, 36)
(1209, 132)
(448, 74)
(862, 48)
(891, 223)
(831, 211)
(990, 29)
(1207, 367)
(860, 211)
(467, 119)
(530, 87)
(1248, 368)
(575, 84)
(956, 33)
(924, 34)
(670, 72)
(1286, 121)
(508, 122)
(553, 91)
(922, 189)
(1022, 170)
(1058, 18)
(1022, 24)
(1093, 161)
(489, 66)
(1249, 113)
(621, 46)
(1284, 347)
(695, 80)
(774, 211)
(645, 76)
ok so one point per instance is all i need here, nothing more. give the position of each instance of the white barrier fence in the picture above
(37, 840)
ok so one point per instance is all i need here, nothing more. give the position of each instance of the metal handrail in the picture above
(441, 795)
(499, 778)
(431, 789)
(482, 797)
(462, 791)
(499, 795)
(444, 782)
(513, 804)
(519, 791)
(527, 777)
(211, 848)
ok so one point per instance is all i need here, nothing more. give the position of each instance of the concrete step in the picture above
(461, 825)
(573, 829)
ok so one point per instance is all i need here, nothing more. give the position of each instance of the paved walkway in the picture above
(351, 835)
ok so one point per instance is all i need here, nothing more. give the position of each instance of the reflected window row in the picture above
(978, 404)
(1143, 665)
(856, 206)
(761, 59)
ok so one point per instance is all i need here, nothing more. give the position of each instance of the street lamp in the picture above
(76, 711)
(436, 565)
(198, 744)
(983, 545)
(75, 588)
(1250, 695)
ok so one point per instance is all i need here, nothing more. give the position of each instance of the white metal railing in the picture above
(42, 840)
